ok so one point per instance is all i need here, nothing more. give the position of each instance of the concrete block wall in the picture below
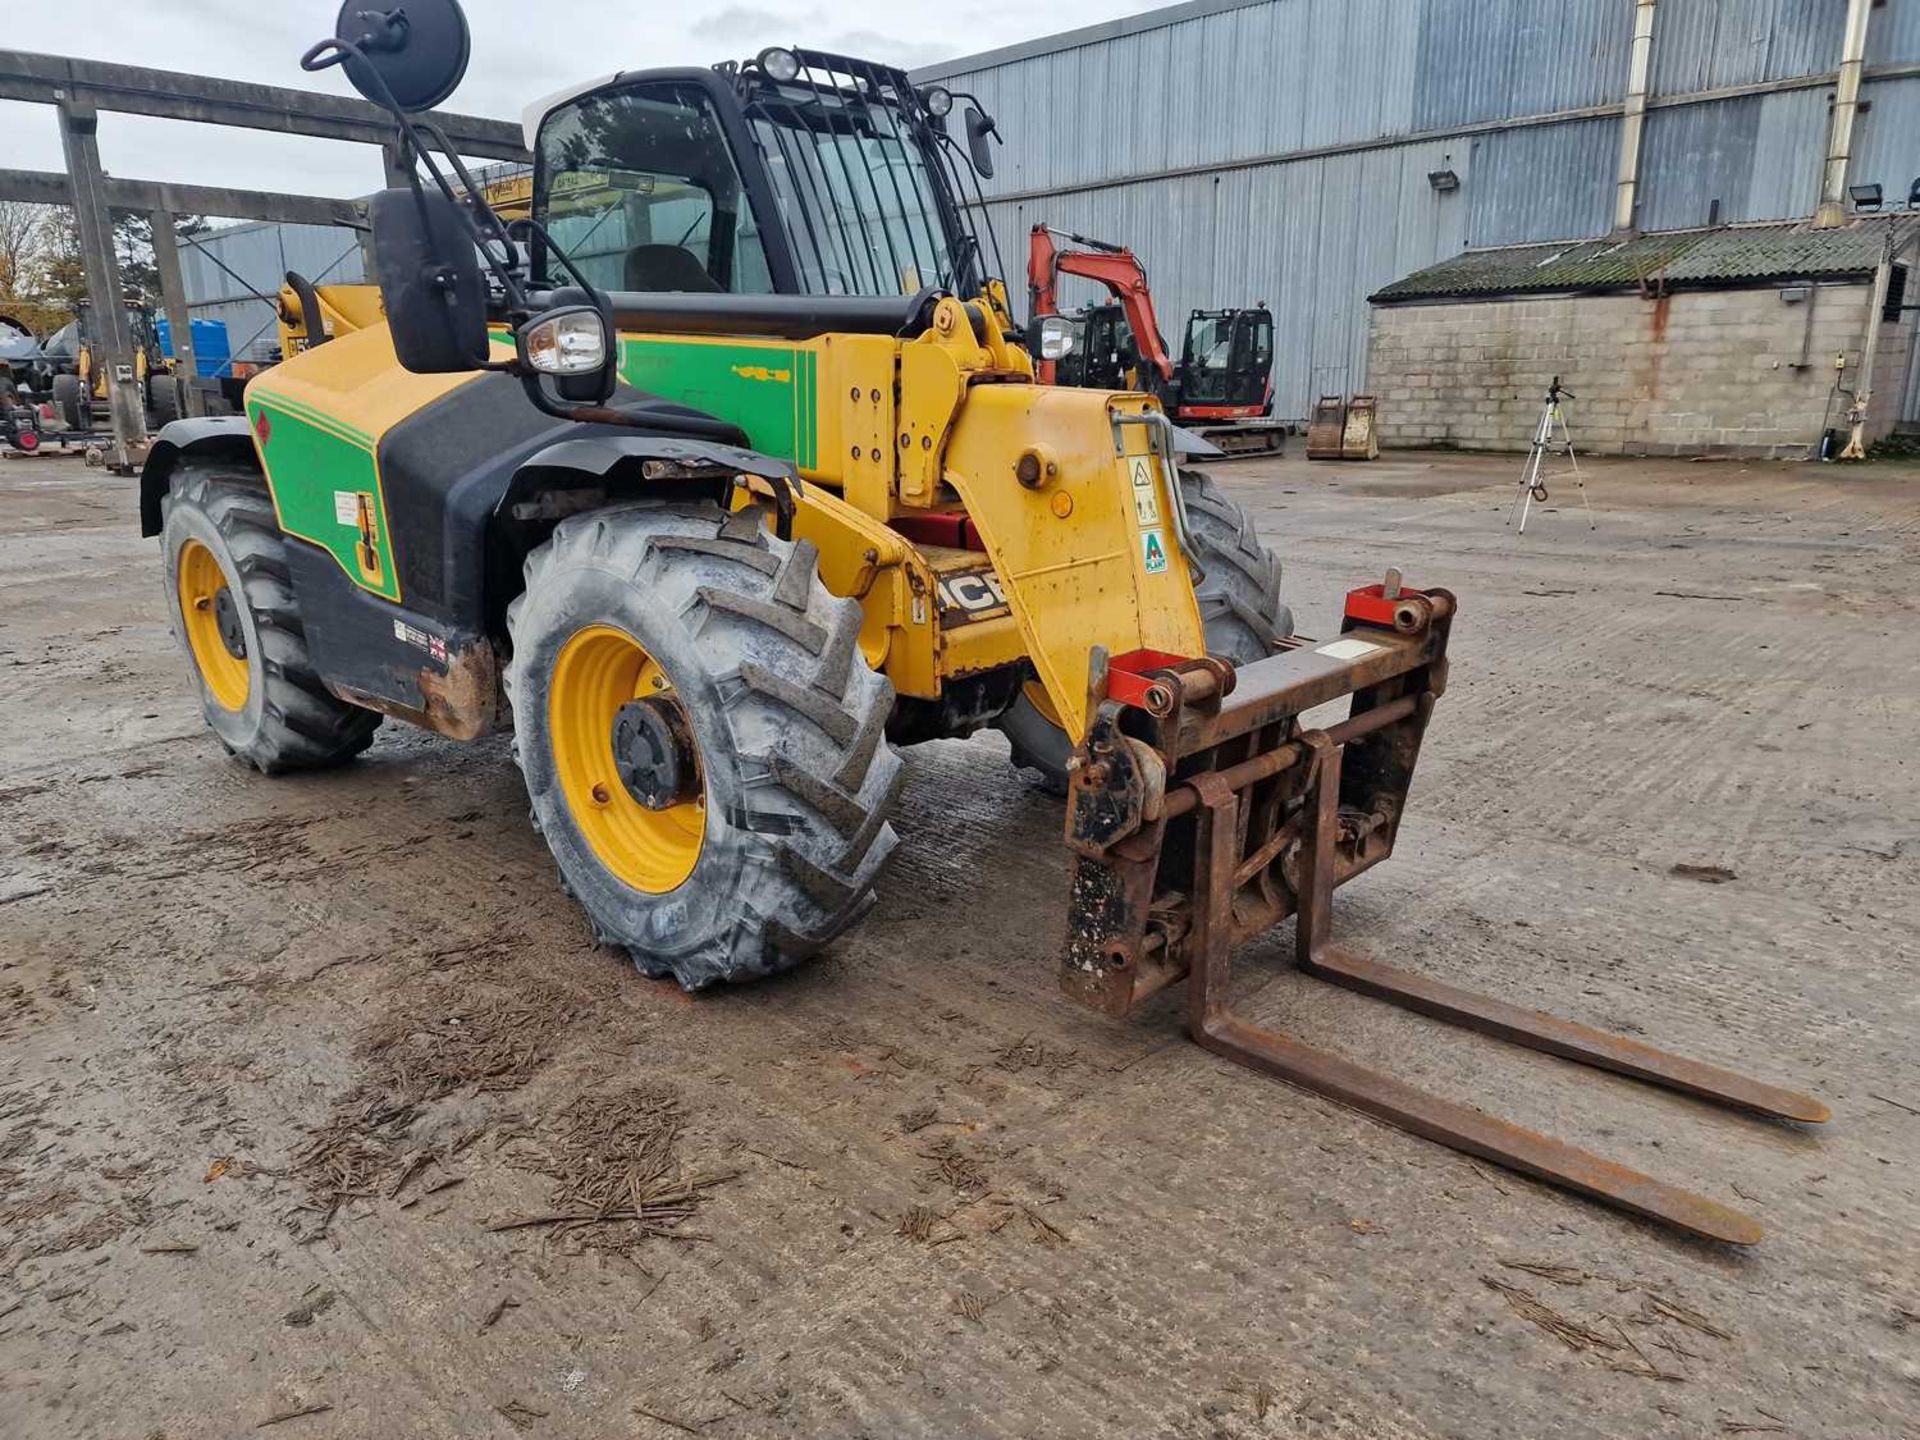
(1712, 372)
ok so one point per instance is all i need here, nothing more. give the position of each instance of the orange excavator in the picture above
(1222, 386)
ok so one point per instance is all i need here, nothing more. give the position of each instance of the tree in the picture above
(29, 237)
(63, 273)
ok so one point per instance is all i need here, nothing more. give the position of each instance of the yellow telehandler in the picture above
(722, 474)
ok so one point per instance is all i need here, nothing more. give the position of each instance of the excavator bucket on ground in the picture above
(1203, 812)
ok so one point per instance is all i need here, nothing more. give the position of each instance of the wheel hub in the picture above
(654, 753)
(226, 617)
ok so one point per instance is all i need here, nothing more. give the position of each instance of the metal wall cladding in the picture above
(1759, 156)
(1886, 144)
(1542, 182)
(1491, 59)
(1893, 33)
(1310, 239)
(259, 257)
(1711, 44)
(1293, 75)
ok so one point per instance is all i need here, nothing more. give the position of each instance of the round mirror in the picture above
(419, 49)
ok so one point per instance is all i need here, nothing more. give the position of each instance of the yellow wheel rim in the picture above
(598, 671)
(202, 584)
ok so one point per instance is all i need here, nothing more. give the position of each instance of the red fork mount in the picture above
(1202, 813)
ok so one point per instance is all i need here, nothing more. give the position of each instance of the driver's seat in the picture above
(668, 267)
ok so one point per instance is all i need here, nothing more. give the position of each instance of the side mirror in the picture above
(980, 126)
(430, 282)
(416, 53)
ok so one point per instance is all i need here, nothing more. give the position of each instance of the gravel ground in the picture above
(278, 1059)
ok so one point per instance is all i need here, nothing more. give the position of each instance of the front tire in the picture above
(758, 838)
(1240, 608)
(231, 601)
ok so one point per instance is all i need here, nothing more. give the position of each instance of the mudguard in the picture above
(225, 437)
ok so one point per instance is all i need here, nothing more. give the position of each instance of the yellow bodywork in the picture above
(901, 434)
(343, 308)
(1086, 556)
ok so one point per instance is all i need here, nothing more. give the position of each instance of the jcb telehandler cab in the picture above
(721, 476)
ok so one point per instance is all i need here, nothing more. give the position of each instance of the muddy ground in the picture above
(278, 1059)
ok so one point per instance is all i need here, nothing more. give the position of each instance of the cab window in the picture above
(638, 188)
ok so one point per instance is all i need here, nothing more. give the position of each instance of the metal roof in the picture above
(1724, 255)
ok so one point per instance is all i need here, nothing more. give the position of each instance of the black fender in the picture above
(607, 451)
(217, 437)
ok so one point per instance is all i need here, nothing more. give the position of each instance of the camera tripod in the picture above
(1549, 435)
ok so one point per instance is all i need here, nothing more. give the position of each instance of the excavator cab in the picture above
(1104, 356)
(1227, 363)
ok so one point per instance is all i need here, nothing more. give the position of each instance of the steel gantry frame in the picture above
(80, 89)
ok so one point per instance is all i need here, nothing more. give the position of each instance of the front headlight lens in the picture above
(571, 343)
(938, 100)
(1056, 337)
(779, 64)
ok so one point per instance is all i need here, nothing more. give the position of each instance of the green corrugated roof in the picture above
(1728, 254)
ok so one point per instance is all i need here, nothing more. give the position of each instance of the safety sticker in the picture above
(1349, 649)
(1146, 495)
(434, 645)
(1153, 550)
(346, 507)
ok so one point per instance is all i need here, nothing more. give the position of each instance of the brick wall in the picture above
(1694, 373)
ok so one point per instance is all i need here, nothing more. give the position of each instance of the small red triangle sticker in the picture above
(263, 427)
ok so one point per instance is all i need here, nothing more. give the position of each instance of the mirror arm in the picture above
(335, 51)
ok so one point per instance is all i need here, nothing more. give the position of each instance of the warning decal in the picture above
(1146, 496)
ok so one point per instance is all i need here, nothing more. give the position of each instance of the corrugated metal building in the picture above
(227, 270)
(1280, 150)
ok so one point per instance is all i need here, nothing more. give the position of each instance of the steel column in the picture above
(93, 220)
(173, 298)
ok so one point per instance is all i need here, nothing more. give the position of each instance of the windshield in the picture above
(639, 189)
(855, 192)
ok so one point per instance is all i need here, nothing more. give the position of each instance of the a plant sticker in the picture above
(1153, 550)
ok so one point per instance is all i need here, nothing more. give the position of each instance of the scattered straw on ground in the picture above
(616, 1176)
(454, 1039)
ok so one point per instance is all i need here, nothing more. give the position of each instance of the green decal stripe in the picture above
(758, 386)
(807, 391)
(309, 457)
(317, 418)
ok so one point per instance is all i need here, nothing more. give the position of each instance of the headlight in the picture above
(779, 64)
(938, 100)
(565, 342)
(1056, 337)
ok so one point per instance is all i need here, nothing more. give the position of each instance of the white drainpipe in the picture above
(1633, 118)
(1846, 108)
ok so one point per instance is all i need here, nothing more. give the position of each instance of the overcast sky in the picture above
(522, 49)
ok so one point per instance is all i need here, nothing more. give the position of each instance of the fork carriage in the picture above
(1203, 812)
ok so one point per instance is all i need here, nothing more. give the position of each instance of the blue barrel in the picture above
(212, 349)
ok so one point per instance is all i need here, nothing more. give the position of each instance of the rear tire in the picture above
(167, 406)
(70, 403)
(231, 601)
(1240, 608)
(793, 776)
